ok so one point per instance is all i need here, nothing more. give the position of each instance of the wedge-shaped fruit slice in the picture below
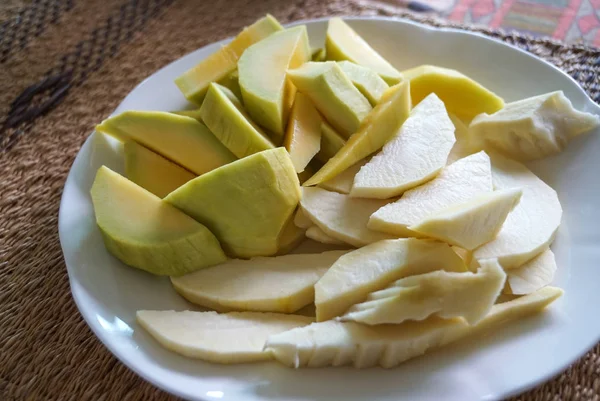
(194, 82)
(343, 43)
(456, 183)
(303, 133)
(181, 139)
(462, 96)
(333, 94)
(249, 284)
(531, 226)
(371, 85)
(533, 275)
(267, 94)
(342, 183)
(462, 147)
(379, 126)
(440, 293)
(246, 204)
(316, 234)
(235, 337)
(225, 116)
(335, 343)
(371, 268)
(473, 223)
(153, 172)
(342, 217)
(532, 128)
(144, 232)
(331, 143)
(416, 154)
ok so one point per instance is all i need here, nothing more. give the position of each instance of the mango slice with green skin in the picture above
(462, 96)
(225, 116)
(331, 143)
(334, 95)
(371, 85)
(153, 172)
(246, 204)
(267, 94)
(180, 139)
(194, 82)
(144, 232)
(343, 43)
(381, 124)
(303, 133)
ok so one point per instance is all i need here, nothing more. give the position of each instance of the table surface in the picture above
(64, 66)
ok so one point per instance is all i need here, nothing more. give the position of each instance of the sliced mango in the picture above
(144, 232)
(194, 82)
(303, 133)
(343, 43)
(246, 204)
(181, 139)
(371, 85)
(225, 116)
(342, 183)
(462, 96)
(533, 275)
(331, 143)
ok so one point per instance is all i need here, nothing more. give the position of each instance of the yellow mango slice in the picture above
(380, 125)
(303, 133)
(180, 139)
(462, 96)
(194, 82)
(144, 232)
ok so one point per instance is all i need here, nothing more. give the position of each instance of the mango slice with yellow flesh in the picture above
(343, 43)
(194, 82)
(153, 172)
(246, 204)
(334, 95)
(331, 142)
(180, 139)
(225, 116)
(144, 232)
(267, 94)
(378, 127)
(371, 85)
(462, 96)
(303, 133)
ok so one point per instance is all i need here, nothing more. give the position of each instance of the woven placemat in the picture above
(75, 61)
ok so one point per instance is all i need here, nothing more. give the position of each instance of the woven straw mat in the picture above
(64, 66)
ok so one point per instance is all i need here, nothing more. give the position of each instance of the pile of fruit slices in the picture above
(420, 171)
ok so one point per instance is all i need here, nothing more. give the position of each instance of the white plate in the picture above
(491, 367)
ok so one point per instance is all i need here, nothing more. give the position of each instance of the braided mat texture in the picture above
(100, 50)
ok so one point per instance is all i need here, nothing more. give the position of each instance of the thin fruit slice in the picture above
(462, 147)
(249, 284)
(246, 203)
(181, 139)
(371, 268)
(153, 172)
(225, 116)
(335, 343)
(414, 155)
(301, 220)
(462, 96)
(343, 43)
(440, 293)
(532, 128)
(316, 234)
(262, 68)
(456, 183)
(333, 94)
(371, 85)
(331, 143)
(235, 337)
(194, 82)
(340, 216)
(473, 223)
(533, 275)
(342, 183)
(303, 133)
(144, 232)
(379, 126)
(531, 226)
